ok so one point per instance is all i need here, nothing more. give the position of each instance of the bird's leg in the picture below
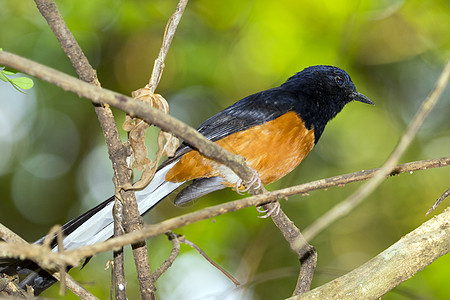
(257, 180)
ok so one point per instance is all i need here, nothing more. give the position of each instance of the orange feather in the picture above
(273, 149)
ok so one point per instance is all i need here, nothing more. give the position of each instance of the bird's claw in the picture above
(273, 211)
(254, 180)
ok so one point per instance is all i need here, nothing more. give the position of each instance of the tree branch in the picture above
(183, 240)
(173, 255)
(306, 253)
(69, 45)
(15, 242)
(393, 266)
(210, 212)
(438, 201)
(132, 107)
(72, 256)
(118, 287)
(117, 152)
(169, 33)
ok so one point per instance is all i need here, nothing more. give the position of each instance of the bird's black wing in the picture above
(248, 112)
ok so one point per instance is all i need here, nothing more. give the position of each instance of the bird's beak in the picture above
(361, 98)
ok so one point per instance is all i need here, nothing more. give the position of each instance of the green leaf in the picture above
(3, 77)
(23, 83)
(19, 83)
(8, 72)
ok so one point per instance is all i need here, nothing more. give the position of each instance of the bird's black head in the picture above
(322, 92)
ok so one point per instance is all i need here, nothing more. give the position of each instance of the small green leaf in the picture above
(8, 73)
(23, 83)
(3, 77)
(19, 83)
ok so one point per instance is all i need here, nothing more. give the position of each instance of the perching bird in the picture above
(273, 130)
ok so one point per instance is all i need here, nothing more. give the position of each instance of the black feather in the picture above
(198, 188)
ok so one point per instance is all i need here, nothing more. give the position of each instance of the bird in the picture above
(274, 130)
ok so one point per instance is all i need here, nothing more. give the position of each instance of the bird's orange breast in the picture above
(273, 149)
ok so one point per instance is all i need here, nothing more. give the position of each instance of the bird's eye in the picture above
(339, 80)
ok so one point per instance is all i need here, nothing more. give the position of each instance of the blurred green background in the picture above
(54, 163)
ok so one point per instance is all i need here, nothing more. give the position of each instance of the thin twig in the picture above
(438, 201)
(202, 253)
(110, 264)
(18, 247)
(356, 198)
(76, 287)
(137, 128)
(43, 256)
(173, 255)
(73, 257)
(306, 253)
(169, 33)
(210, 212)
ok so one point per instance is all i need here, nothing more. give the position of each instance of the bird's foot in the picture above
(273, 211)
(254, 180)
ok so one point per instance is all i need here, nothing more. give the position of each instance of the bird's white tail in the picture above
(98, 225)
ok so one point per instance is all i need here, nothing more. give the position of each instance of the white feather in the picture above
(100, 226)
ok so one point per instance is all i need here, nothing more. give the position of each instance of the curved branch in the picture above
(173, 255)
